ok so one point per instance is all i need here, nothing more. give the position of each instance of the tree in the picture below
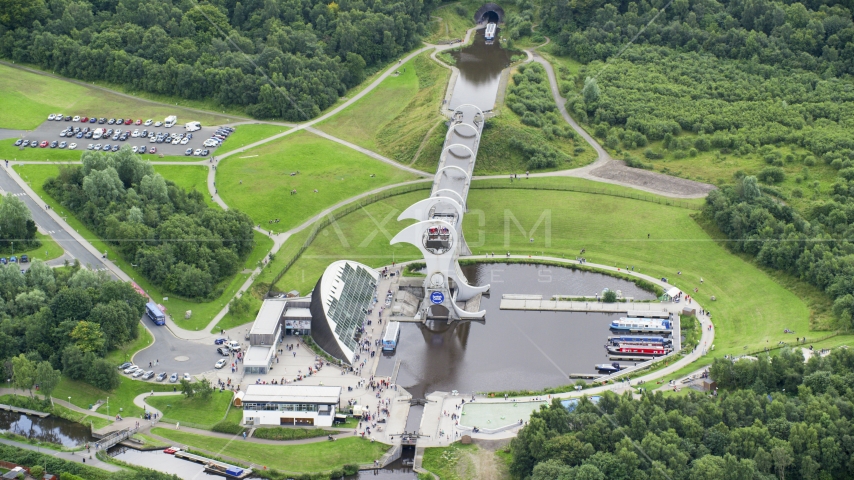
(23, 373)
(88, 337)
(103, 374)
(16, 224)
(203, 389)
(187, 388)
(47, 378)
(239, 306)
(40, 276)
(609, 297)
(590, 92)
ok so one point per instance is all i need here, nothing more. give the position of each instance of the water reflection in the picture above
(512, 349)
(480, 71)
(51, 429)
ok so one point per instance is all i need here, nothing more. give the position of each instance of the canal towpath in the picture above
(76, 457)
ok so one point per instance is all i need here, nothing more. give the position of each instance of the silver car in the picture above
(173, 378)
(148, 375)
(131, 369)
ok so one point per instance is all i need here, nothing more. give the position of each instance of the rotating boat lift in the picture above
(438, 230)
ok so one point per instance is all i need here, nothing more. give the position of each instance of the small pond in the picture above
(511, 350)
(51, 429)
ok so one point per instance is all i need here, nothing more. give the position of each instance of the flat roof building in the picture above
(290, 405)
(267, 327)
(339, 304)
(258, 360)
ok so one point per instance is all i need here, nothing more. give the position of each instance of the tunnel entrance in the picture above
(489, 13)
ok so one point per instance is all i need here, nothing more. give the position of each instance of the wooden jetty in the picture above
(632, 359)
(26, 411)
(215, 466)
(511, 301)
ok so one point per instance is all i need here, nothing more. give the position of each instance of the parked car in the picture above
(234, 345)
(90, 147)
(80, 135)
(3, 261)
(67, 118)
(152, 150)
(128, 121)
(51, 117)
(188, 152)
(138, 373)
(115, 148)
(125, 365)
(18, 142)
(54, 144)
(25, 143)
(106, 147)
(158, 124)
(141, 149)
(76, 118)
(25, 259)
(72, 146)
(205, 152)
(97, 146)
(138, 122)
(148, 122)
(43, 144)
(187, 377)
(148, 375)
(135, 133)
(111, 121)
(34, 144)
(223, 351)
(197, 152)
(13, 259)
(63, 144)
(88, 135)
(173, 378)
(185, 141)
(134, 149)
(161, 376)
(220, 363)
(84, 119)
(219, 341)
(131, 369)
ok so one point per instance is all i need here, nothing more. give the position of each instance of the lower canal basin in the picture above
(50, 429)
(511, 350)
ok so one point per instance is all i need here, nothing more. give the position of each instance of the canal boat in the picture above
(641, 325)
(637, 349)
(613, 367)
(489, 34)
(616, 340)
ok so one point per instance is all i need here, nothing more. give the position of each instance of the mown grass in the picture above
(247, 134)
(284, 433)
(121, 399)
(26, 100)
(395, 117)
(188, 177)
(203, 312)
(202, 413)
(261, 185)
(309, 457)
(752, 308)
(445, 461)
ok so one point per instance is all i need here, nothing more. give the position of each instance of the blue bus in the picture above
(392, 334)
(154, 313)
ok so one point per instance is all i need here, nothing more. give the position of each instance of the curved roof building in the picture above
(339, 304)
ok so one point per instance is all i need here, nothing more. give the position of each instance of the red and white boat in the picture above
(637, 349)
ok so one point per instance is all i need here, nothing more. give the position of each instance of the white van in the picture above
(97, 134)
(170, 121)
(193, 126)
(234, 345)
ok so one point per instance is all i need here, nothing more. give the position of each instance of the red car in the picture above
(84, 120)
(150, 150)
(128, 121)
(138, 122)
(43, 144)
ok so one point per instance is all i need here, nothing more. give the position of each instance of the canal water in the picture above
(511, 350)
(480, 68)
(166, 463)
(51, 429)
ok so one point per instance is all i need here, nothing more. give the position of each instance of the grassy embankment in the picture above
(752, 307)
(82, 395)
(451, 21)
(309, 457)
(195, 411)
(247, 134)
(396, 117)
(261, 185)
(460, 462)
(35, 176)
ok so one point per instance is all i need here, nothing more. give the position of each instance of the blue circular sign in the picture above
(437, 297)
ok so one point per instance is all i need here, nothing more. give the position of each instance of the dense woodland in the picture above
(276, 58)
(738, 74)
(783, 419)
(815, 246)
(64, 319)
(16, 225)
(179, 242)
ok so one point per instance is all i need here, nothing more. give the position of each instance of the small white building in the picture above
(301, 405)
(258, 360)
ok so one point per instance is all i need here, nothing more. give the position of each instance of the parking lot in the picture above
(49, 131)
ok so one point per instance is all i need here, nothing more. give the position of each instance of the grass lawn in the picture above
(395, 118)
(446, 461)
(82, 394)
(246, 134)
(48, 249)
(309, 457)
(149, 441)
(125, 352)
(261, 185)
(203, 313)
(26, 99)
(450, 24)
(188, 177)
(752, 307)
(193, 410)
(234, 415)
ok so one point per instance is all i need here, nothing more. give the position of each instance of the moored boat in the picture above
(640, 325)
(637, 349)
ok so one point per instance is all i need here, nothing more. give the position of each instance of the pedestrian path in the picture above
(80, 456)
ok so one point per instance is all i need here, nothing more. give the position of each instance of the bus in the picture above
(392, 334)
(154, 313)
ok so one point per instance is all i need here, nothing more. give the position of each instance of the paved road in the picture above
(175, 355)
(7, 133)
(48, 224)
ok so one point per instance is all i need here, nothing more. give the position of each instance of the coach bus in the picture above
(392, 334)
(154, 313)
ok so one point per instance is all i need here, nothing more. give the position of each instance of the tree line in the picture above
(815, 247)
(16, 225)
(178, 242)
(64, 319)
(768, 420)
(285, 59)
(738, 74)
